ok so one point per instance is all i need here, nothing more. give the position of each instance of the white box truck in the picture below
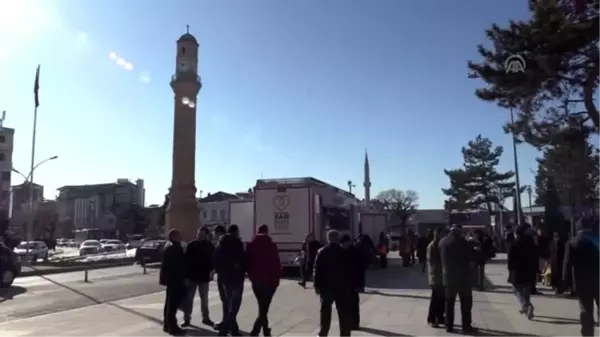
(241, 213)
(294, 207)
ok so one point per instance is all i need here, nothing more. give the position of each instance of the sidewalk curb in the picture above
(59, 270)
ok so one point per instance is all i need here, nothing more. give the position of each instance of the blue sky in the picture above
(291, 88)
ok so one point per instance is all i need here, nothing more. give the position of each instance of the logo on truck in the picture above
(282, 218)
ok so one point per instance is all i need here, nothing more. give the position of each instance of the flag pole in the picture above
(36, 87)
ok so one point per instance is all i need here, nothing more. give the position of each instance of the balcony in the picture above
(186, 77)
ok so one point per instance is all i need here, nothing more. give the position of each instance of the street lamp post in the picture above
(517, 181)
(29, 180)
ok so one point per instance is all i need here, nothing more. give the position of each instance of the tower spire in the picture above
(187, 29)
(367, 181)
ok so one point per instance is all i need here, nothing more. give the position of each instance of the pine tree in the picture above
(554, 221)
(478, 184)
(559, 46)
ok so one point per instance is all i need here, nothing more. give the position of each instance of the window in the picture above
(204, 215)
(5, 175)
(2, 157)
(2, 138)
(223, 215)
(213, 215)
(182, 51)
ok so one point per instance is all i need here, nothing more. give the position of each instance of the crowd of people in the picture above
(337, 270)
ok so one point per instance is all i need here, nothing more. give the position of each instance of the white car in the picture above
(32, 250)
(112, 245)
(90, 247)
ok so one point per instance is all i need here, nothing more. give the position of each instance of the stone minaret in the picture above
(182, 212)
(367, 183)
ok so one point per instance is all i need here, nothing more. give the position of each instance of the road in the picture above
(38, 295)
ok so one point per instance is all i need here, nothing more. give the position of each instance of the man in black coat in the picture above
(229, 261)
(310, 247)
(522, 268)
(172, 275)
(457, 257)
(354, 275)
(582, 271)
(366, 251)
(199, 270)
(331, 285)
(218, 233)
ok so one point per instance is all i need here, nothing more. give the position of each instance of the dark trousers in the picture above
(233, 297)
(174, 297)
(586, 311)
(465, 296)
(341, 300)
(223, 297)
(362, 278)
(423, 262)
(264, 295)
(437, 305)
(354, 310)
(383, 260)
(480, 270)
(306, 271)
(405, 259)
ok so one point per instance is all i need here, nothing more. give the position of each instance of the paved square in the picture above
(396, 303)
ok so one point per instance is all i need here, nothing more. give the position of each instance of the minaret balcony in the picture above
(186, 77)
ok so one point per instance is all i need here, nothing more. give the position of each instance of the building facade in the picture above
(97, 206)
(6, 166)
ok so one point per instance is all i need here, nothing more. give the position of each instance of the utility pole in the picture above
(516, 163)
(529, 195)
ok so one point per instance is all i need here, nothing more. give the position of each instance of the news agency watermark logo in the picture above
(515, 64)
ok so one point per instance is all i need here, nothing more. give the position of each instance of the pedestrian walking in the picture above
(422, 243)
(457, 257)
(354, 274)
(522, 268)
(310, 246)
(331, 285)
(366, 253)
(230, 265)
(199, 269)
(581, 270)
(172, 275)
(264, 271)
(557, 256)
(219, 232)
(383, 249)
(438, 294)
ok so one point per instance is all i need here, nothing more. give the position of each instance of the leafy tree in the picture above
(559, 44)
(478, 184)
(402, 204)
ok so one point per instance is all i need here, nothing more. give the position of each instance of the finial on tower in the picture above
(187, 29)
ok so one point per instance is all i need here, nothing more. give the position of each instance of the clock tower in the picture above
(182, 212)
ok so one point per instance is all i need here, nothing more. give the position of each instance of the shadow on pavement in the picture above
(397, 277)
(507, 289)
(378, 332)
(555, 320)
(9, 293)
(496, 333)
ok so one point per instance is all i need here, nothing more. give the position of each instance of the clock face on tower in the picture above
(184, 65)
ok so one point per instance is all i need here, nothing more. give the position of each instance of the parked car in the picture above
(61, 242)
(151, 251)
(112, 245)
(72, 243)
(90, 247)
(135, 241)
(34, 250)
(103, 241)
(10, 266)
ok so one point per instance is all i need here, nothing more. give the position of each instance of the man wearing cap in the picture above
(457, 256)
(218, 232)
(172, 275)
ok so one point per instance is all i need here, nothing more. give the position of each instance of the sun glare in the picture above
(21, 19)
